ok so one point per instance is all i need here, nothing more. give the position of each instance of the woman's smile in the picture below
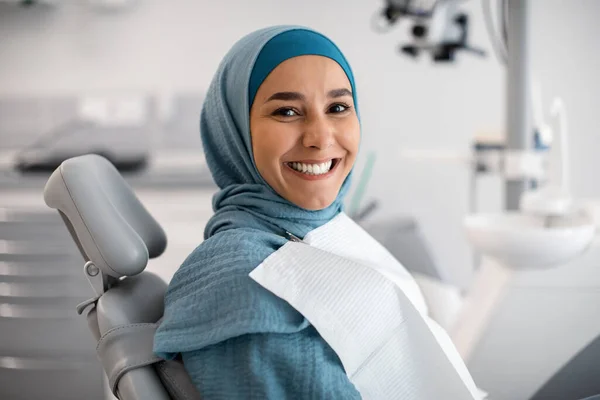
(312, 170)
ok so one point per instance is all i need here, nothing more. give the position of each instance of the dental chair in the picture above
(116, 236)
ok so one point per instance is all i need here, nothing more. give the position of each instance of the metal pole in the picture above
(518, 121)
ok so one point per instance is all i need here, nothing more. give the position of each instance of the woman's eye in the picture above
(338, 108)
(285, 112)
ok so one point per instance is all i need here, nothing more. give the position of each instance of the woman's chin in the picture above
(312, 203)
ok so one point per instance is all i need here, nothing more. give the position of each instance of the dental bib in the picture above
(369, 309)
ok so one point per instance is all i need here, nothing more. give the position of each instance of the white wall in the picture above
(171, 46)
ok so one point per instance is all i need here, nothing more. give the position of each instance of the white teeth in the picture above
(312, 169)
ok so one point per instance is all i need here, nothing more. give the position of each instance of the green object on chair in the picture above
(361, 186)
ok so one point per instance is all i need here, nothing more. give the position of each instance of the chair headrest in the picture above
(106, 219)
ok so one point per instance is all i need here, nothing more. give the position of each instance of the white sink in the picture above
(528, 241)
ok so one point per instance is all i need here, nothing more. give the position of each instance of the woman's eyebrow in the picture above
(286, 96)
(339, 93)
(291, 96)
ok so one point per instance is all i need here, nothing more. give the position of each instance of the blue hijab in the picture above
(211, 298)
(225, 130)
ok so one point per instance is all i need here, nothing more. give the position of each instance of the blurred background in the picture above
(126, 79)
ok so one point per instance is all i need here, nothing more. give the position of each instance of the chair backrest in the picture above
(114, 231)
(107, 221)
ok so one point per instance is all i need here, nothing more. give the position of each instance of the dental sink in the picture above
(520, 240)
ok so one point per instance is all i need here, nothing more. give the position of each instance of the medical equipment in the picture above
(528, 326)
(116, 236)
(553, 197)
(511, 49)
(524, 252)
(76, 138)
(115, 127)
(439, 27)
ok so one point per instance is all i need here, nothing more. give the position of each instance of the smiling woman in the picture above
(280, 131)
(305, 131)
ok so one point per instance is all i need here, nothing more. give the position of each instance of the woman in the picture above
(281, 133)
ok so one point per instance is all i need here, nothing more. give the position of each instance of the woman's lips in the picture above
(313, 177)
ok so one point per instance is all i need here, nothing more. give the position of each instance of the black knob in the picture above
(461, 19)
(419, 31)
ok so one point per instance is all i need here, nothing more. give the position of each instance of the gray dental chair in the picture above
(116, 236)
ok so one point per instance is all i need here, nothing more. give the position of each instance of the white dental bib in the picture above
(369, 309)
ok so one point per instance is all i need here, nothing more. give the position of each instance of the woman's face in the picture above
(305, 131)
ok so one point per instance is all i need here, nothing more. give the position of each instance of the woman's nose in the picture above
(319, 133)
